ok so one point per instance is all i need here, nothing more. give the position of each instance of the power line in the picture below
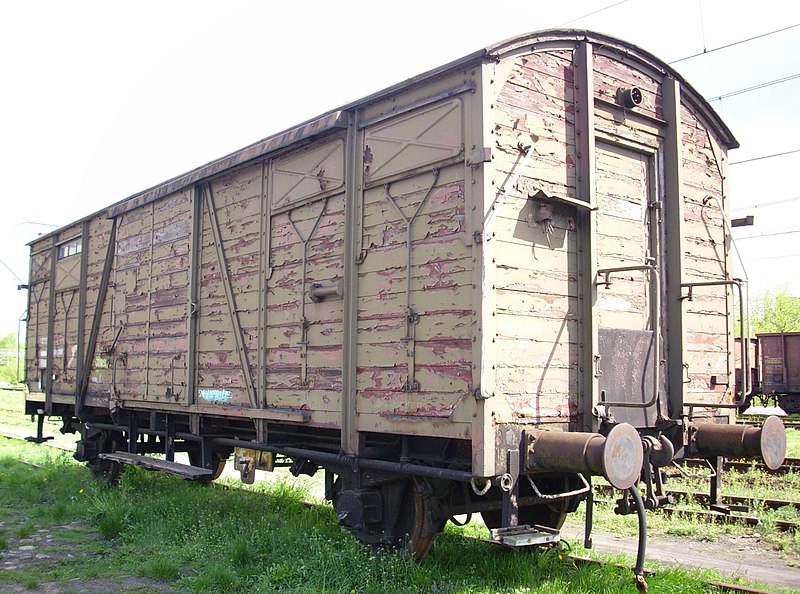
(765, 157)
(772, 203)
(755, 88)
(702, 24)
(704, 52)
(775, 257)
(14, 274)
(593, 13)
(769, 234)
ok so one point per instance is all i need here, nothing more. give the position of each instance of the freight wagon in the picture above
(775, 368)
(469, 292)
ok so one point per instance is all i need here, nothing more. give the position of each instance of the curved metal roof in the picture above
(630, 51)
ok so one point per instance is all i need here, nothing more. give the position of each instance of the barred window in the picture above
(69, 249)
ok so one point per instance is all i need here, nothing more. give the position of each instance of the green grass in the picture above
(793, 443)
(263, 539)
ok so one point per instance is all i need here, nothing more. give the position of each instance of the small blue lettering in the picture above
(215, 395)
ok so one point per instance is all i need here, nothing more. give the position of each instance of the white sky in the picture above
(100, 100)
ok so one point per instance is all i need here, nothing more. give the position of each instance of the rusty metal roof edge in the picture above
(331, 120)
(262, 147)
(336, 119)
(282, 139)
(575, 35)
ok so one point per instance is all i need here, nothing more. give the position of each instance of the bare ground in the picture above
(732, 555)
(63, 545)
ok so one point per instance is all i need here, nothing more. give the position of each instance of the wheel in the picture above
(217, 463)
(392, 515)
(107, 470)
(94, 442)
(414, 523)
(551, 515)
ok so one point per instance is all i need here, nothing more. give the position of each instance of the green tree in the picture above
(775, 310)
(8, 358)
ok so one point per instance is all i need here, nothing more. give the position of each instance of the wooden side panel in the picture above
(415, 320)
(228, 316)
(707, 325)
(96, 244)
(537, 99)
(414, 140)
(612, 75)
(536, 311)
(440, 295)
(537, 260)
(304, 337)
(623, 235)
(148, 327)
(308, 174)
(65, 340)
(38, 311)
(65, 310)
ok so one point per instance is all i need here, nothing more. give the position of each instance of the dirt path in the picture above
(62, 545)
(732, 555)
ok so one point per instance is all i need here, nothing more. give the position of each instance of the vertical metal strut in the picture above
(238, 335)
(586, 220)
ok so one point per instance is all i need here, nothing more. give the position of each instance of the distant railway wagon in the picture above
(775, 369)
(469, 292)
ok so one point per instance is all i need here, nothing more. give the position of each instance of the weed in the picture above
(111, 514)
(242, 553)
(216, 578)
(3, 540)
(25, 531)
(31, 582)
(160, 568)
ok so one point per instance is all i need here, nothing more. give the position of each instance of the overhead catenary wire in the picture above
(778, 257)
(702, 24)
(754, 87)
(770, 203)
(722, 47)
(14, 274)
(762, 157)
(773, 234)
(592, 13)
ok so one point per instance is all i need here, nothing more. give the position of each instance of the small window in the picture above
(69, 249)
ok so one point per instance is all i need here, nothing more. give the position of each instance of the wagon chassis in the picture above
(397, 493)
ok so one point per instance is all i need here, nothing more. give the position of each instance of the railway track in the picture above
(788, 422)
(719, 518)
(704, 498)
(720, 586)
(789, 465)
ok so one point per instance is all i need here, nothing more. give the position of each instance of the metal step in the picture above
(182, 470)
(525, 536)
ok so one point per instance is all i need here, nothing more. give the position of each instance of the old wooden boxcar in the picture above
(461, 293)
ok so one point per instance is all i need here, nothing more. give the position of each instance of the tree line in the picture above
(775, 310)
